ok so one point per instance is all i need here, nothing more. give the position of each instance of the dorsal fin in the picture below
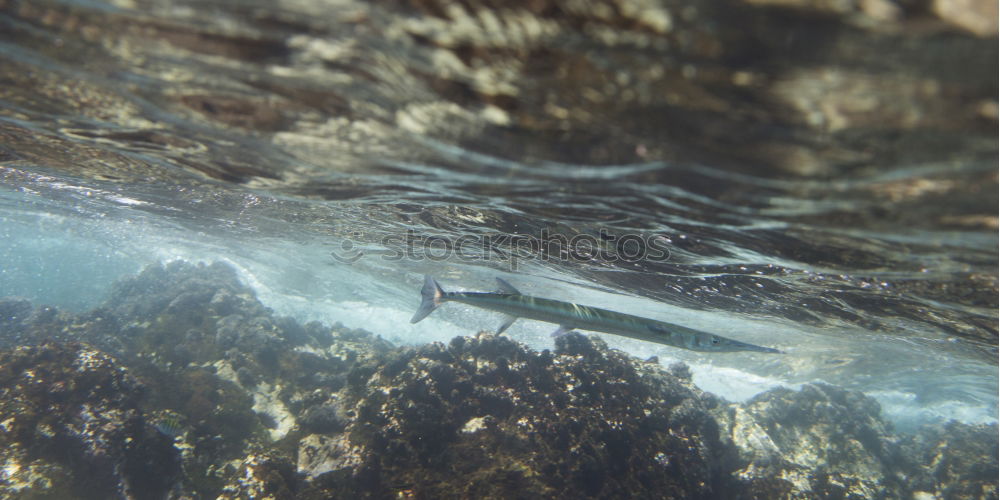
(507, 287)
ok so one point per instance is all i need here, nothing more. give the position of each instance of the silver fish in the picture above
(570, 316)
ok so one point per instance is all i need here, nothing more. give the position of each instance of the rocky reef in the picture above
(72, 428)
(183, 385)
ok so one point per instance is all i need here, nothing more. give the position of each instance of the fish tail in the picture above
(431, 297)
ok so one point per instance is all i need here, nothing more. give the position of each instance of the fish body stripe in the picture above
(600, 320)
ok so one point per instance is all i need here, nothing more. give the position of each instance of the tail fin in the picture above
(430, 295)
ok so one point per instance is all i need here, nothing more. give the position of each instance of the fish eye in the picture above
(715, 340)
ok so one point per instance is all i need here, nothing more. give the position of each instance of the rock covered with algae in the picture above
(72, 428)
(826, 442)
(954, 460)
(583, 421)
(820, 441)
(188, 386)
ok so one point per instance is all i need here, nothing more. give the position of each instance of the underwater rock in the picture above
(72, 428)
(323, 419)
(240, 403)
(21, 323)
(245, 377)
(954, 460)
(162, 325)
(263, 475)
(14, 314)
(14, 311)
(180, 287)
(320, 454)
(487, 417)
(820, 441)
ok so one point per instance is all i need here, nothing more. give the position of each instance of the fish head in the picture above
(715, 343)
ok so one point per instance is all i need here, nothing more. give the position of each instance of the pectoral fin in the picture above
(562, 330)
(507, 321)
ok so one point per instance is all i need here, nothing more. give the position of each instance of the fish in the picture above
(513, 304)
(169, 426)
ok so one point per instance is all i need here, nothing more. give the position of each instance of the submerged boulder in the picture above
(954, 460)
(827, 442)
(184, 290)
(487, 417)
(817, 442)
(262, 475)
(22, 323)
(72, 428)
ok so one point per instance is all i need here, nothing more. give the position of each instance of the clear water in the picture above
(332, 153)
